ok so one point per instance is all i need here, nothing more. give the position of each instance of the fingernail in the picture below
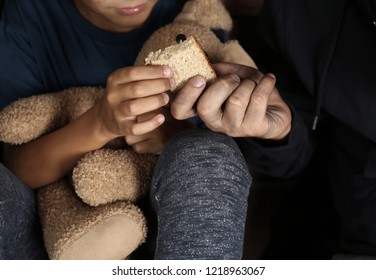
(198, 81)
(172, 83)
(235, 78)
(167, 71)
(160, 119)
(271, 75)
(166, 98)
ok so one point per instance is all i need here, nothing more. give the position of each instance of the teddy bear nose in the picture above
(180, 38)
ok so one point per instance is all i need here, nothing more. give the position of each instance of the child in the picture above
(201, 182)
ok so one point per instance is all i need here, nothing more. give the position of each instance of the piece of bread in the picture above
(187, 59)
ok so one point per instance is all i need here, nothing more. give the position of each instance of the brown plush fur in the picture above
(95, 185)
(69, 225)
(29, 118)
(209, 13)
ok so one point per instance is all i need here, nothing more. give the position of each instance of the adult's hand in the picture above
(242, 102)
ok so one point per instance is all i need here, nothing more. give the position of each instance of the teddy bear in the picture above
(91, 213)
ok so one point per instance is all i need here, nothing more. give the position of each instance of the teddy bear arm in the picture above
(233, 52)
(28, 118)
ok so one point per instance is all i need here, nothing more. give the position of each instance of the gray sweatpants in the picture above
(200, 192)
(20, 232)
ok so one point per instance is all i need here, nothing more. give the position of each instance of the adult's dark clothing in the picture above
(323, 55)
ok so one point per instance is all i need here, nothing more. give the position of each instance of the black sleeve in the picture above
(284, 159)
(288, 158)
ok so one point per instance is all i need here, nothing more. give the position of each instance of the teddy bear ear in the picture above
(209, 13)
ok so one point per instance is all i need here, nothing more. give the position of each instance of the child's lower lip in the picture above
(132, 10)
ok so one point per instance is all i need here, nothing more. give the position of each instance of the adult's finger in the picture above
(244, 72)
(184, 102)
(210, 104)
(256, 112)
(237, 105)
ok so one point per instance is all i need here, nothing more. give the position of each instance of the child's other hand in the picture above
(131, 92)
(155, 140)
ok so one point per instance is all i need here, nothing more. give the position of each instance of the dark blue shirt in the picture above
(46, 46)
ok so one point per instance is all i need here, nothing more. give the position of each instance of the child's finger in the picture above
(138, 73)
(135, 128)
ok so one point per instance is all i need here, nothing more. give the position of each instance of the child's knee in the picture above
(198, 162)
(193, 145)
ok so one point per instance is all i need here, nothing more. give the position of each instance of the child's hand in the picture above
(155, 140)
(131, 92)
